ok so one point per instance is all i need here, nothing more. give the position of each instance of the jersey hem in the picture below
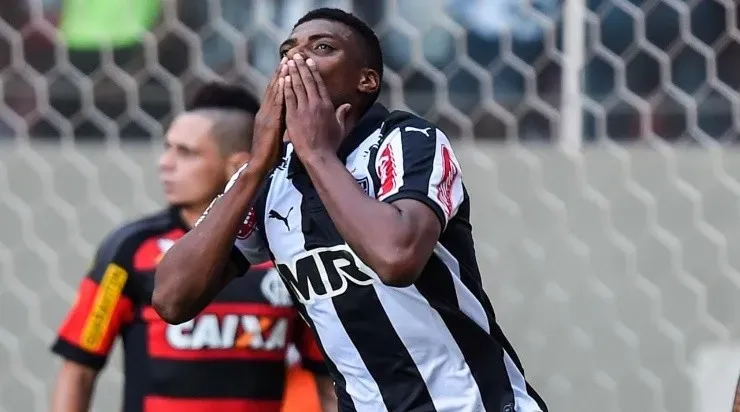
(76, 354)
(423, 198)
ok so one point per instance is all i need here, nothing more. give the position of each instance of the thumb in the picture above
(342, 113)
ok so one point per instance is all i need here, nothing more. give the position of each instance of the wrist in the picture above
(316, 156)
(258, 168)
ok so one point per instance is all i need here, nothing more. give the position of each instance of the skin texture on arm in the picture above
(73, 388)
(736, 402)
(395, 240)
(197, 267)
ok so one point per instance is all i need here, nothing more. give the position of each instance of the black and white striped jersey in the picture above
(432, 346)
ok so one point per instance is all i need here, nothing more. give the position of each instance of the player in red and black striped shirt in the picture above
(232, 356)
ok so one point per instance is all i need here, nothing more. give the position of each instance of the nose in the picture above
(165, 161)
(294, 50)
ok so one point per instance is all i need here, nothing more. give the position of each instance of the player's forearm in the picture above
(378, 232)
(195, 269)
(73, 388)
(327, 395)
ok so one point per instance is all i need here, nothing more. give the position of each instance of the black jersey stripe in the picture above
(484, 357)
(458, 240)
(401, 385)
(313, 237)
(175, 379)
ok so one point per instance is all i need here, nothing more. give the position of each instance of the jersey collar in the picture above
(177, 218)
(369, 122)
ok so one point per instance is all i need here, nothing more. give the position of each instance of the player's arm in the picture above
(420, 189)
(313, 361)
(104, 305)
(73, 388)
(201, 263)
(205, 260)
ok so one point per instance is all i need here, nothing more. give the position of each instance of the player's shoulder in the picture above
(126, 237)
(407, 122)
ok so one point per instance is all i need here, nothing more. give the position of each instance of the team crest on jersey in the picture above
(274, 290)
(248, 226)
(364, 184)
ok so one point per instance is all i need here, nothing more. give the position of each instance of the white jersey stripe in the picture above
(523, 401)
(442, 364)
(360, 385)
(468, 303)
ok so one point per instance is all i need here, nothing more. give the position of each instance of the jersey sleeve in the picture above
(416, 161)
(249, 247)
(311, 357)
(103, 306)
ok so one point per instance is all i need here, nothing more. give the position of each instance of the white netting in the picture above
(613, 272)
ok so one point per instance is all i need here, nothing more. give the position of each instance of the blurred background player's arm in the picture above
(327, 395)
(102, 308)
(313, 361)
(73, 388)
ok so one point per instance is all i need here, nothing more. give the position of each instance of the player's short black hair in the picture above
(223, 100)
(217, 95)
(371, 43)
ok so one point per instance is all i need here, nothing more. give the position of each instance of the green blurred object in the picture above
(88, 24)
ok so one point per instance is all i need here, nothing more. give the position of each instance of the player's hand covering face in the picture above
(268, 122)
(313, 124)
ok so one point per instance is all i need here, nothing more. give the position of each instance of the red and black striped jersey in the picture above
(229, 358)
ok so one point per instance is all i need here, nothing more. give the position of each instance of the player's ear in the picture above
(235, 161)
(369, 81)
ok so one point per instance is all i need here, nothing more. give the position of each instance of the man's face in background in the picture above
(192, 169)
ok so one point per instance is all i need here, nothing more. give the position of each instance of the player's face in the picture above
(335, 50)
(191, 168)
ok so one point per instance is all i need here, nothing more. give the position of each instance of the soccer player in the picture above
(367, 220)
(232, 357)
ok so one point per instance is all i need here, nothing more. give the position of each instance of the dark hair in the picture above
(371, 44)
(217, 95)
(234, 133)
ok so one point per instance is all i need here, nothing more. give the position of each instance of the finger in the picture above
(320, 85)
(280, 77)
(281, 70)
(278, 69)
(271, 88)
(295, 80)
(289, 96)
(307, 80)
(280, 92)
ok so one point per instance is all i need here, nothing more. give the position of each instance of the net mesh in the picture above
(612, 272)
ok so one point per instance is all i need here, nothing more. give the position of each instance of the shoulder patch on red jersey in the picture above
(151, 251)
